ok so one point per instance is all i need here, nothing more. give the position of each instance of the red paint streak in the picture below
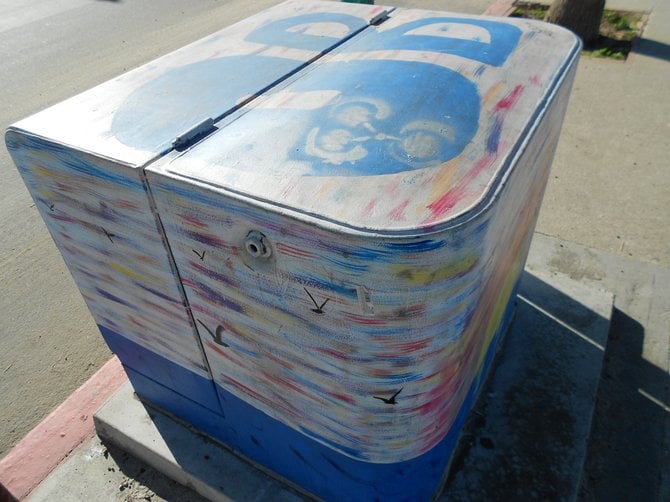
(408, 347)
(169, 313)
(481, 165)
(188, 282)
(365, 320)
(447, 202)
(331, 352)
(63, 187)
(510, 100)
(285, 249)
(535, 80)
(392, 188)
(342, 397)
(246, 389)
(288, 384)
(287, 191)
(66, 219)
(399, 212)
(217, 350)
(279, 361)
(137, 323)
(193, 221)
(126, 204)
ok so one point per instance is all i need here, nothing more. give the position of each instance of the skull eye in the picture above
(335, 140)
(421, 144)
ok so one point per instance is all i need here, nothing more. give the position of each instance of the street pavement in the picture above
(608, 199)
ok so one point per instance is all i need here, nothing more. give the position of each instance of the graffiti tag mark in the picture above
(390, 400)
(215, 336)
(201, 256)
(319, 308)
(109, 235)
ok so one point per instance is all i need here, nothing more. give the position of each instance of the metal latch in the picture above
(380, 18)
(195, 132)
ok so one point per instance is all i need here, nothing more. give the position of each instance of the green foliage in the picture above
(530, 11)
(535, 12)
(624, 22)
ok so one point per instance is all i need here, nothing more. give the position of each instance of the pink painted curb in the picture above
(43, 448)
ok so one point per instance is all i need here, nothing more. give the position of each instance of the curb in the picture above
(43, 448)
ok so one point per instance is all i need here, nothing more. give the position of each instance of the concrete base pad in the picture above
(527, 436)
(182, 454)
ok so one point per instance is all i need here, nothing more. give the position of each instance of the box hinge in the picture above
(379, 18)
(194, 133)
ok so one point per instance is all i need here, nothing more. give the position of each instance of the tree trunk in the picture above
(580, 16)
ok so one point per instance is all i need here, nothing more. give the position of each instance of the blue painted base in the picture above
(161, 370)
(333, 476)
(290, 454)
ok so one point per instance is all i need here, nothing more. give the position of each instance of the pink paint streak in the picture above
(369, 208)
(398, 213)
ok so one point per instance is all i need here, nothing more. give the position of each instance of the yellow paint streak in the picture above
(493, 93)
(239, 330)
(126, 271)
(498, 311)
(45, 193)
(428, 275)
(443, 180)
(43, 171)
(326, 188)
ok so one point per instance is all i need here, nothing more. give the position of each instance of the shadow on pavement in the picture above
(626, 451)
(527, 435)
(652, 48)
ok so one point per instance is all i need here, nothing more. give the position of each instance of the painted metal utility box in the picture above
(303, 234)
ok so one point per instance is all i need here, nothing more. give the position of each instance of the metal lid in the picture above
(405, 126)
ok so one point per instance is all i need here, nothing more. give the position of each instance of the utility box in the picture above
(303, 234)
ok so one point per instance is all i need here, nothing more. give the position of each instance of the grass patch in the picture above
(618, 29)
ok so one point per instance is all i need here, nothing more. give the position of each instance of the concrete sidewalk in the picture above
(604, 223)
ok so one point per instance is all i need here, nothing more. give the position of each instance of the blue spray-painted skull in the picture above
(372, 115)
(384, 117)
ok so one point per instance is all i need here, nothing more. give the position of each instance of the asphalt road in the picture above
(51, 50)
